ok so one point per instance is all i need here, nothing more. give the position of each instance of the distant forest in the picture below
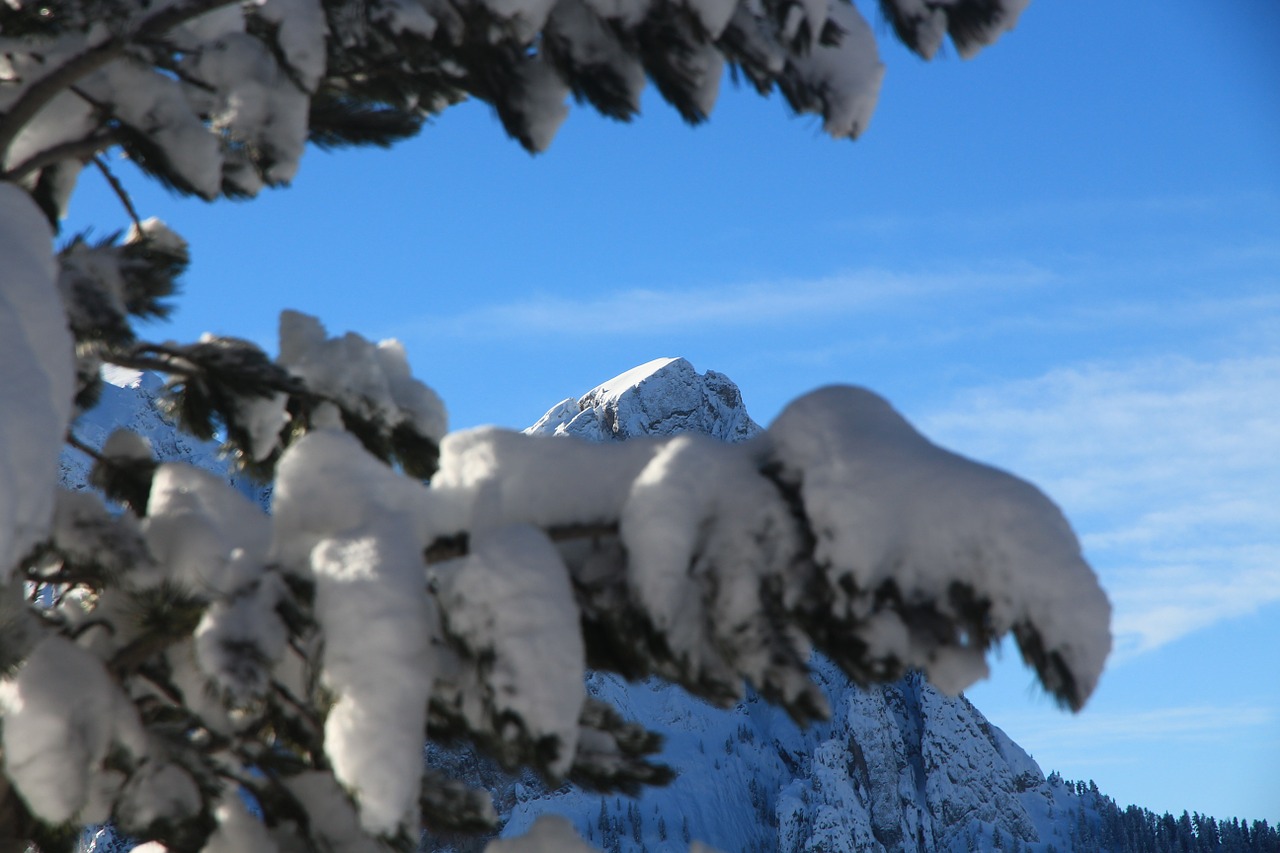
(1101, 826)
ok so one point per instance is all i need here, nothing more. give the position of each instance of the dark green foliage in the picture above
(56, 839)
(125, 478)
(967, 21)
(105, 282)
(93, 549)
(603, 80)
(213, 380)
(152, 159)
(672, 47)
(165, 610)
(451, 806)
(337, 121)
(634, 744)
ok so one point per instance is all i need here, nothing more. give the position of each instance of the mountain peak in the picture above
(660, 397)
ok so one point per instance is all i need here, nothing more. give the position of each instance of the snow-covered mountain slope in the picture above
(130, 399)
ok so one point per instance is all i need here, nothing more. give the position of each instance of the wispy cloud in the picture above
(1165, 599)
(1169, 468)
(1119, 210)
(1191, 723)
(656, 311)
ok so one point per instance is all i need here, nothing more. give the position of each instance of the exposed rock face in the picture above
(903, 767)
(898, 767)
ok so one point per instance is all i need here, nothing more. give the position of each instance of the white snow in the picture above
(38, 381)
(542, 101)
(207, 536)
(372, 607)
(210, 26)
(157, 791)
(931, 19)
(62, 713)
(65, 118)
(703, 530)
(526, 17)
(302, 32)
(660, 397)
(628, 379)
(157, 106)
(370, 603)
(251, 100)
(334, 822)
(847, 74)
(238, 831)
(248, 617)
(510, 601)
(887, 505)
(629, 13)
(125, 444)
(159, 235)
(713, 15)
(373, 381)
(263, 418)
(591, 41)
(404, 17)
(492, 477)
(328, 485)
(549, 834)
(127, 377)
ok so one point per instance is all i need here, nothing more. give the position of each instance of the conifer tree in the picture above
(169, 652)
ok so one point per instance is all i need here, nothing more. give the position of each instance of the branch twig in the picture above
(120, 192)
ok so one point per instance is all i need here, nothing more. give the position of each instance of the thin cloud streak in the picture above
(1039, 216)
(1169, 599)
(1192, 723)
(650, 311)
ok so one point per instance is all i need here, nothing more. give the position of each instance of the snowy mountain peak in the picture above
(150, 384)
(661, 397)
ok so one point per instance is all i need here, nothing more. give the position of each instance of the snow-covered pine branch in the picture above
(167, 646)
(215, 96)
(321, 642)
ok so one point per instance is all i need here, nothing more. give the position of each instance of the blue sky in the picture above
(1061, 257)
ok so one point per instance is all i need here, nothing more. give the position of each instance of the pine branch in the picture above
(336, 122)
(44, 90)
